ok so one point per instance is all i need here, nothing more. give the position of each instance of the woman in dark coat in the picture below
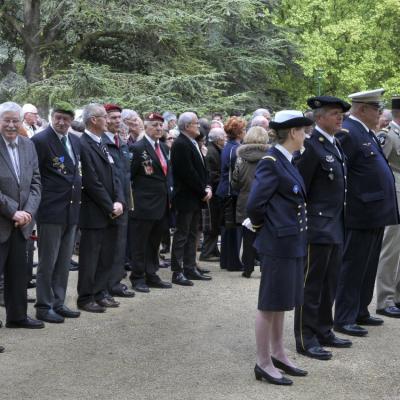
(231, 238)
(248, 155)
(277, 207)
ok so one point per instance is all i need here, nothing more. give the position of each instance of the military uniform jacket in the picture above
(277, 201)
(150, 187)
(101, 187)
(61, 180)
(389, 139)
(323, 169)
(371, 195)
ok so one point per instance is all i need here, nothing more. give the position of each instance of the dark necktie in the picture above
(161, 158)
(64, 143)
(13, 146)
(116, 140)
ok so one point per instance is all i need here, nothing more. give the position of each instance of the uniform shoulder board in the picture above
(269, 158)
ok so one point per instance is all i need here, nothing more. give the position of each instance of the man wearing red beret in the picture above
(151, 183)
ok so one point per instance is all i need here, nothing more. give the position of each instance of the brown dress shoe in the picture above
(92, 307)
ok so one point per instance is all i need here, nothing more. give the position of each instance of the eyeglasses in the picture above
(100, 116)
(170, 138)
(194, 123)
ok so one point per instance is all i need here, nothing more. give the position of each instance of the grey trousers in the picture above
(388, 275)
(56, 244)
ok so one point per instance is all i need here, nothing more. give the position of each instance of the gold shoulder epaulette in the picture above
(269, 157)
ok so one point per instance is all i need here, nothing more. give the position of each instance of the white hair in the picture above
(261, 111)
(260, 120)
(216, 134)
(10, 106)
(185, 119)
(129, 114)
(90, 111)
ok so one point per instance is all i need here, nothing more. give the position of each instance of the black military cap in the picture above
(396, 103)
(321, 101)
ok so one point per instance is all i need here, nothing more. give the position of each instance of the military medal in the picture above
(329, 158)
(331, 176)
(296, 189)
(148, 167)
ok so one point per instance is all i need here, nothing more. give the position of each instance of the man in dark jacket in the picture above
(371, 204)
(119, 151)
(322, 165)
(151, 197)
(58, 215)
(102, 204)
(216, 138)
(191, 190)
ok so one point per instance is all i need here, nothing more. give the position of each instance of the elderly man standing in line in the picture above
(135, 126)
(262, 112)
(388, 275)
(371, 205)
(260, 120)
(102, 204)
(30, 119)
(19, 200)
(120, 153)
(58, 215)
(150, 175)
(191, 191)
(216, 142)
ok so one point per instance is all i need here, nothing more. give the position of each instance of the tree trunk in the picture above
(33, 60)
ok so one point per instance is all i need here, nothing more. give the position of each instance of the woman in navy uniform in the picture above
(277, 206)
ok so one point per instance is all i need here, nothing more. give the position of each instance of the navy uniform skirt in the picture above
(282, 283)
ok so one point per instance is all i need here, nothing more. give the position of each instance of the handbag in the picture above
(206, 223)
(230, 201)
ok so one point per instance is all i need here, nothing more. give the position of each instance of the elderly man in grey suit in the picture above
(19, 200)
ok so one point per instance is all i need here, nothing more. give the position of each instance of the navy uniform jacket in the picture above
(101, 186)
(277, 201)
(223, 187)
(324, 172)
(150, 186)
(61, 180)
(371, 195)
(190, 175)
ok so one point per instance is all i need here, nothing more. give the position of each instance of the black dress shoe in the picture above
(293, 371)
(234, 269)
(260, 374)
(370, 321)
(336, 342)
(140, 286)
(159, 284)
(209, 258)
(123, 292)
(74, 263)
(351, 329)
(2, 349)
(247, 274)
(108, 302)
(391, 311)
(74, 267)
(316, 352)
(179, 279)
(195, 275)
(92, 307)
(31, 284)
(202, 270)
(49, 316)
(27, 323)
(65, 312)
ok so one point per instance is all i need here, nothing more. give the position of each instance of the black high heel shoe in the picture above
(293, 371)
(260, 374)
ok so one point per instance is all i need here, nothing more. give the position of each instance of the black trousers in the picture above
(314, 320)
(13, 264)
(146, 236)
(183, 253)
(210, 242)
(231, 240)
(118, 265)
(357, 276)
(249, 253)
(96, 254)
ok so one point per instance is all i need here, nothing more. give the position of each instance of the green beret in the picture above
(64, 107)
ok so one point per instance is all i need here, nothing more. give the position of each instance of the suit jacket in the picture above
(61, 180)
(277, 203)
(22, 196)
(228, 161)
(324, 172)
(101, 187)
(150, 186)
(371, 194)
(213, 162)
(189, 174)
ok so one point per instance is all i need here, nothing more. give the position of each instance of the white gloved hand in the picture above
(248, 225)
